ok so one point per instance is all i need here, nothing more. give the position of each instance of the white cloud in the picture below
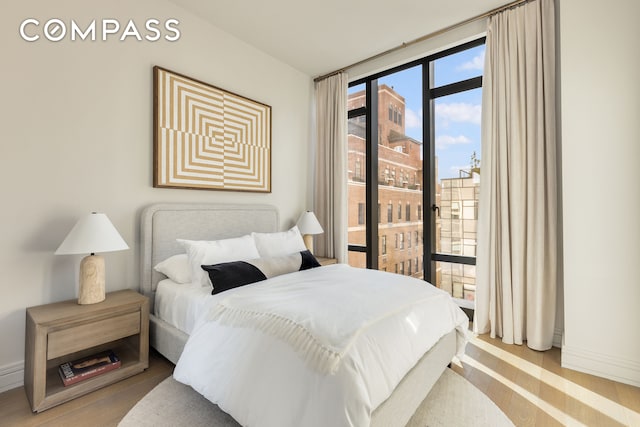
(413, 119)
(461, 112)
(476, 63)
(443, 141)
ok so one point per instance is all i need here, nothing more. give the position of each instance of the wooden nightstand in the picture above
(326, 261)
(65, 331)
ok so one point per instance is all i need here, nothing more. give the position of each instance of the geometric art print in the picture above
(208, 138)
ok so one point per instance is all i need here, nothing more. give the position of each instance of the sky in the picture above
(457, 117)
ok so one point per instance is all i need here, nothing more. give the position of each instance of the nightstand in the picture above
(66, 331)
(326, 261)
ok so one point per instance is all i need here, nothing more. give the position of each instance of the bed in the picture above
(162, 224)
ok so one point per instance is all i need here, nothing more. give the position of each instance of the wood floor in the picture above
(529, 386)
(102, 408)
(534, 390)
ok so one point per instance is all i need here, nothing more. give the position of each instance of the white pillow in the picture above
(280, 243)
(203, 252)
(175, 268)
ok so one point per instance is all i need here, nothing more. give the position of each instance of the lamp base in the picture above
(91, 280)
(308, 241)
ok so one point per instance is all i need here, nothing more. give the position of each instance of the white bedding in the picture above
(264, 382)
(180, 304)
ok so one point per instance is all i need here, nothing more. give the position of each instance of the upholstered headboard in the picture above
(162, 224)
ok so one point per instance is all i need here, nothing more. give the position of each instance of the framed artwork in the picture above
(208, 138)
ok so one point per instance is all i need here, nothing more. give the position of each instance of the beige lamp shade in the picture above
(92, 233)
(308, 225)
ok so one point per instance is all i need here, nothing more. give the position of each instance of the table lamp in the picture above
(308, 225)
(92, 233)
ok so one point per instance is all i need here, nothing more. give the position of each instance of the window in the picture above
(360, 213)
(358, 172)
(441, 174)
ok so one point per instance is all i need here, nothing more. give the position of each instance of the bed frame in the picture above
(162, 224)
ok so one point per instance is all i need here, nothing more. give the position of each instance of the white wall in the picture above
(76, 120)
(601, 154)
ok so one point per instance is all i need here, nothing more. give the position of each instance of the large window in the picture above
(414, 141)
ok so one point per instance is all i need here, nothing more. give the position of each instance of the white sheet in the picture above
(180, 304)
(262, 381)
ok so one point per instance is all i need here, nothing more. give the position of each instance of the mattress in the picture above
(180, 304)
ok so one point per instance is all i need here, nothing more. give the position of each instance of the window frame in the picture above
(426, 215)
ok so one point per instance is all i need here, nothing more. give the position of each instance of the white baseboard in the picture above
(557, 338)
(11, 376)
(602, 365)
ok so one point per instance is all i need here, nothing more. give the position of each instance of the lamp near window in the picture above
(92, 233)
(308, 225)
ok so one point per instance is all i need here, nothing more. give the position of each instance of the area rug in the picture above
(453, 401)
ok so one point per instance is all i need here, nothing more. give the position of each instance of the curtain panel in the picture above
(517, 253)
(330, 200)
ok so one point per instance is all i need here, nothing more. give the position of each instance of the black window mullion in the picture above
(457, 87)
(357, 112)
(372, 174)
(428, 194)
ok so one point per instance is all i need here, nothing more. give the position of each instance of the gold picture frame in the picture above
(208, 138)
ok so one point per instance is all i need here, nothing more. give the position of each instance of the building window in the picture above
(419, 212)
(409, 239)
(390, 112)
(408, 210)
(358, 173)
(401, 270)
(360, 213)
(401, 238)
(383, 249)
(455, 210)
(389, 213)
(399, 210)
(409, 268)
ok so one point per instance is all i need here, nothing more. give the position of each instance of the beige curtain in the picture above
(517, 225)
(330, 200)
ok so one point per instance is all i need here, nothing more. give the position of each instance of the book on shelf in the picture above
(88, 367)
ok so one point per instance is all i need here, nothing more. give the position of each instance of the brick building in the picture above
(399, 187)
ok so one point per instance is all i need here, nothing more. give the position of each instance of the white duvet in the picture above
(362, 331)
